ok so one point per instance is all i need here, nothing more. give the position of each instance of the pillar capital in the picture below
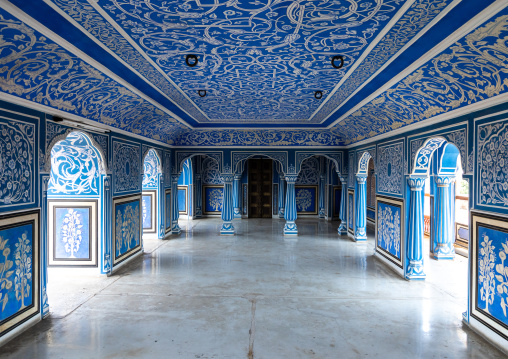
(197, 176)
(342, 179)
(444, 181)
(238, 177)
(416, 183)
(361, 178)
(227, 177)
(175, 178)
(291, 177)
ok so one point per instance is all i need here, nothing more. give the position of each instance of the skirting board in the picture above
(488, 334)
(20, 329)
(127, 261)
(390, 264)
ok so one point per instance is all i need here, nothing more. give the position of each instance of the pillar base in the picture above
(199, 213)
(227, 229)
(321, 213)
(415, 271)
(237, 213)
(443, 252)
(290, 229)
(175, 229)
(281, 212)
(342, 230)
(360, 235)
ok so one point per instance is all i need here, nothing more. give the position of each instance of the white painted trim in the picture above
(491, 115)
(54, 112)
(398, 53)
(22, 16)
(388, 263)
(367, 51)
(20, 329)
(488, 334)
(436, 50)
(491, 102)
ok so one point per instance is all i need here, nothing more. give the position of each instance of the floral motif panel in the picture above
(19, 269)
(306, 199)
(126, 227)
(151, 167)
(389, 229)
(309, 172)
(489, 268)
(492, 162)
(212, 198)
(210, 171)
(17, 163)
(390, 170)
(126, 167)
(75, 167)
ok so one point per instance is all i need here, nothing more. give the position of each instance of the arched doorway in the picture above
(76, 221)
(438, 160)
(151, 202)
(365, 191)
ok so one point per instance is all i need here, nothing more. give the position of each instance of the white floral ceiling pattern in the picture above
(260, 62)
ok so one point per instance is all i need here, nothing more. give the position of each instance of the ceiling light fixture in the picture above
(336, 58)
(79, 125)
(191, 57)
(318, 95)
(202, 93)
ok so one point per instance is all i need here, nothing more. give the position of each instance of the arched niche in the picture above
(239, 160)
(152, 207)
(181, 157)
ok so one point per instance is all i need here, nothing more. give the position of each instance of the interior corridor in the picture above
(257, 294)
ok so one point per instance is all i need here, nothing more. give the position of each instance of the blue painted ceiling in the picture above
(122, 63)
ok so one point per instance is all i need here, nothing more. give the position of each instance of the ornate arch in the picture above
(239, 159)
(363, 163)
(157, 154)
(447, 161)
(336, 159)
(181, 157)
(47, 158)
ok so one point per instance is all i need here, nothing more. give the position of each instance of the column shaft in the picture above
(237, 186)
(444, 236)
(227, 206)
(290, 210)
(175, 213)
(282, 191)
(361, 209)
(415, 230)
(321, 196)
(343, 212)
(198, 198)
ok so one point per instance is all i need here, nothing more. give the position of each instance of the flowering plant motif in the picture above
(118, 232)
(215, 199)
(71, 232)
(130, 226)
(23, 276)
(5, 273)
(388, 229)
(303, 199)
(486, 279)
(502, 277)
(151, 170)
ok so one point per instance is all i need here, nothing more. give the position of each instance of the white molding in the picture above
(54, 112)
(367, 51)
(22, 16)
(398, 53)
(21, 328)
(436, 50)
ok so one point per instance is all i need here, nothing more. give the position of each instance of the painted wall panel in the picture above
(306, 199)
(212, 198)
(126, 227)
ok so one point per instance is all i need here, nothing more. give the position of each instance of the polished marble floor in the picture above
(257, 294)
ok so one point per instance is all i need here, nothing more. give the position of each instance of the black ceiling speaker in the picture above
(202, 93)
(57, 119)
(337, 58)
(318, 95)
(191, 60)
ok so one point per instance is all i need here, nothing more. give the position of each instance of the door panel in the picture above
(260, 188)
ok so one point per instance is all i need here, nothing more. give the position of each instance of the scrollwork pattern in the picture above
(126, 165)
(75, 166)
(17, 163)
(210, 171)
(309, 173)
(151, 170)
(492, 164)
(390, 168)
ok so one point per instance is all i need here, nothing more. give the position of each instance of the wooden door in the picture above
(260, 188)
